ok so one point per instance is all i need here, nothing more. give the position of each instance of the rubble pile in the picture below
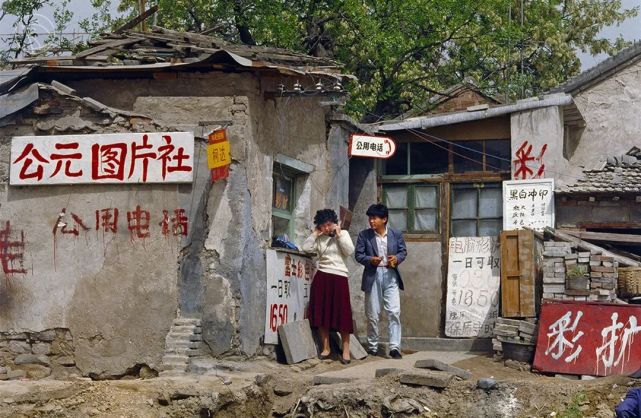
(516, 331)
(577, 275)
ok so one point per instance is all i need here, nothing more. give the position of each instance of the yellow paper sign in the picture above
(218, 154)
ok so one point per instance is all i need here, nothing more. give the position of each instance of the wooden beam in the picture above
(562, 236)
(606, 237)
(103, 47)
(138, 19)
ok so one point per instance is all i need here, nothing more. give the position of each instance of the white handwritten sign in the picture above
(473, 279)
(528, 204)
(288, 284)
(159, 157)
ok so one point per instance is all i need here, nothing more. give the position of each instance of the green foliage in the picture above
(573, 410)
(23, 38)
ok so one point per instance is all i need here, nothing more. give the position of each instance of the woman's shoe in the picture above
(346, 362)
(324, 356)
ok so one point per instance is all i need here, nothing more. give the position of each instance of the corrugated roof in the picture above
(621, 174)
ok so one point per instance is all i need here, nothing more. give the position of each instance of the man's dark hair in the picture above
(378, 209)
(325, 215)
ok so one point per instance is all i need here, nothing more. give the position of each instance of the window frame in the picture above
(282, 171)
(411, 205)
(478, 186)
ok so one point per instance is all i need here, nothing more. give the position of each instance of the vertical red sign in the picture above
(217, 137)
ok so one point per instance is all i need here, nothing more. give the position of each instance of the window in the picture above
(477, 210)
(434, 156)
(413, 208)
(282, 201)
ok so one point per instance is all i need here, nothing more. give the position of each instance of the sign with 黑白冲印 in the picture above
(473, 280)
(289, 278)
(158, 157)
(528, 204)
(371, 146)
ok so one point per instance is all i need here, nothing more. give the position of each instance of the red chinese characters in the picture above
(11, 250)
(109, 158)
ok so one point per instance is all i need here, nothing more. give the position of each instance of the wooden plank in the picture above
(624, 261)
(510, 274)
(140, 18)
(605, 237)
(527, 303)
(103, 47)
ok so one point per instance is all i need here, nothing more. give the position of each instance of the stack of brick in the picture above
(517, 331)
(554, 268)
(603, 277)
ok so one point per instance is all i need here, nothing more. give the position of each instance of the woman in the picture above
(329, 301)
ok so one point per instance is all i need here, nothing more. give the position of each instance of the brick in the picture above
(584, 260)
(573, 292)
(608, 264)
(610, 275)
(433, 364)
(571, 256)
(507, 321)
(527, 328)
(596, 274)
(548, 295)
(560, 275)
(559, 269)
(553, 288)
(297, 340)
(602, 269)
(595, 263)
(570, 264)
(554, 280)
(435, 379)
(584, 254)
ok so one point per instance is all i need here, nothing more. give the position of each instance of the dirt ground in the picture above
(263, 388)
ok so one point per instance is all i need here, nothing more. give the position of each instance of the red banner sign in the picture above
(218, 155)
(589, 338)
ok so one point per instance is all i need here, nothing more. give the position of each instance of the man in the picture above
(381, 249)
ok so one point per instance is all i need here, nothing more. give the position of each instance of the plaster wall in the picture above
(611, 111)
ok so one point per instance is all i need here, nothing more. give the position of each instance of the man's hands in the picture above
(376, 260)
(392, 261)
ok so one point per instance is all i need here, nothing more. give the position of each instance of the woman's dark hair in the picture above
(379, 210)
(325, 215)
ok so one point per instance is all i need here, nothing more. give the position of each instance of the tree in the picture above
(25, 17)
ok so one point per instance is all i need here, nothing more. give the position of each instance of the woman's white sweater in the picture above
(331, 251)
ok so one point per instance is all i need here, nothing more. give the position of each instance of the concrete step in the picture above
(186, 329)
(175, 358)
(187, 321)
(189, 352)
(174, 366)
(181, 344)
(172, 372)
(184, 336)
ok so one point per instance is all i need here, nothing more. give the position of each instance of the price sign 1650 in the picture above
(277, 315)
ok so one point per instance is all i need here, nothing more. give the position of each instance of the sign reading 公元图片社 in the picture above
(158, 157)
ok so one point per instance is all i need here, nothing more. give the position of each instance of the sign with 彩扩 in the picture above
(589, 338)
(288, 285)
(528, 204)
(158, 157)
(473, 280)
(371, 146)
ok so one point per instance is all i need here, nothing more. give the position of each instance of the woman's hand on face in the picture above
(337, 230)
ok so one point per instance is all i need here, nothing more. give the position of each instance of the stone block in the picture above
(330, 380)
(554, 280)
(32, 359)
(19, 347)
(507, 321)
(567, 376)
(486, 383)
(356, 350)
(553, 288)
(34, 371)
(41, 348)
(433, 364)
(65, 361)
(16, 374)
(387, 371)
(435, 379)
(297, 340)
(527, 328)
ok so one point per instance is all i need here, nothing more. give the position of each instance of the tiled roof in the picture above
(617, 175)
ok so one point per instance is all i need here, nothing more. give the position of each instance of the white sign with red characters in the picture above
(159, 157)
(289, 278)
(371, 146)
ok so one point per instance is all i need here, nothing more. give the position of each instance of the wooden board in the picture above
(518, 274)
(526, 266)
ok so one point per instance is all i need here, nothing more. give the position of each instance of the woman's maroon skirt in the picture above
(329, 303)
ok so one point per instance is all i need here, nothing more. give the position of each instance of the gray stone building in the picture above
(104, 301)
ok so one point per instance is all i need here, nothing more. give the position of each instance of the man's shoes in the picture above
(395, 354)
(372, 352)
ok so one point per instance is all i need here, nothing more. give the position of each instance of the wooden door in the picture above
(518, 274)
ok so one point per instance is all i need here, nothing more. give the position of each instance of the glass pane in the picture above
(491, 205)
(426, 197)
(397, 164)
(428, 157)
(465, 157)
(464, 203)
(426, 220)
(463, 228)
(396, 197)
(398, 219)
(282, 192)
(498, 155)
(280, 225)
(490, 227)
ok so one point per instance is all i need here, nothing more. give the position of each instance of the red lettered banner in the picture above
(589, 338)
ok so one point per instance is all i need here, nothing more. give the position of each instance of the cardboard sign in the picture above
(589, 338)
(371, 146)
(528, 204)
(158, 157)
(473, 279)
(288, 285)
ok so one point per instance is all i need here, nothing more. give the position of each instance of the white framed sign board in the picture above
(528, 204)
